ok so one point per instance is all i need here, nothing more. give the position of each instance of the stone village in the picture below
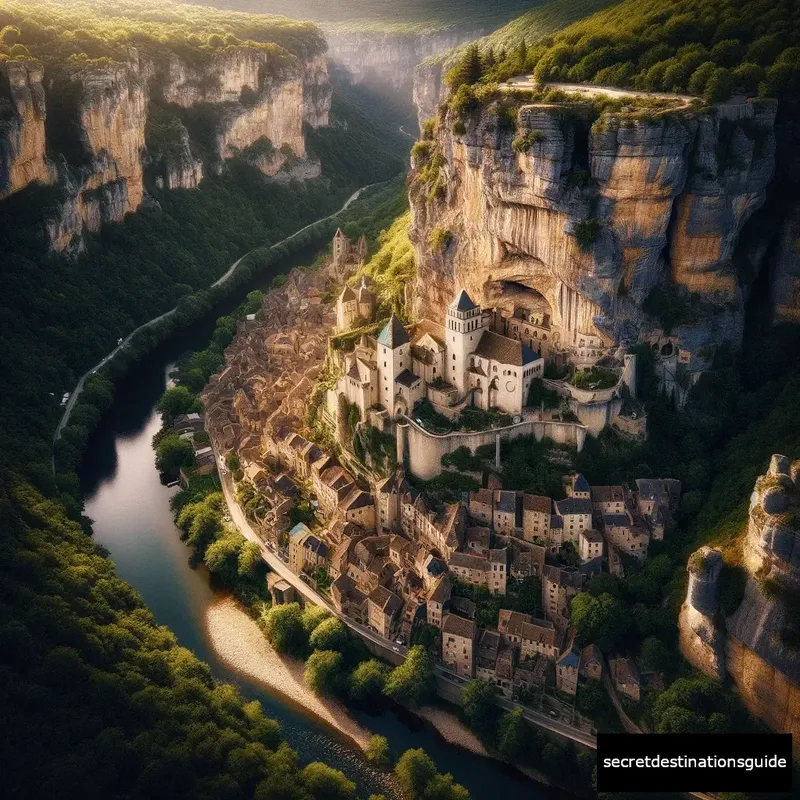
(307, 374)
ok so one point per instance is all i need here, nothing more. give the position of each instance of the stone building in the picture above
(348, 599)
(458, 641)
(355, 305)
(625, 677)
(536, 514)
(505, 512)
(481, 505)
(576, 513)
(559, 586)
(347, 253)
(608, 499)
(438, 599)
(383, 609)
(477, 570)
(591, 665)
(567, 669)
(590, 545)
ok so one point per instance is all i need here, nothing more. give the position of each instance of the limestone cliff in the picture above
(103, 130)
(22, 132)
(760, 639)
(388, 58)
(545, 211)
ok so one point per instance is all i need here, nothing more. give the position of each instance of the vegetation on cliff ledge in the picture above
(103, 31)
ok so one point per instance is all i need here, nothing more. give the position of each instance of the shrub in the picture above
(439, 239)
(524, 142)
(586, 233)
(459, 128)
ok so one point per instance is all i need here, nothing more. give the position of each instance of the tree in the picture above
(467, 71)
(327, 783)
(480, 707)
(251, 565)
(330, 634)
(222, 556)
(378, 751)
(513, 735)
(655, 654)
(283, 626)
(325, 672)
(414, 771)
(603, 620)
(443, 787)
(719, 86)
(173, 453)
(368, 679)
(413, 681)
(177, 400)
(312, 616)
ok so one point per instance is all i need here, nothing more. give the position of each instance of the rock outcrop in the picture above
(22, 127)
(587, 220)
(109, 128)
(760, 638)
(388, 58)
(701, 641)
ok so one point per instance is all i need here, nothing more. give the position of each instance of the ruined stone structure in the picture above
(347, 253)
(755, 645)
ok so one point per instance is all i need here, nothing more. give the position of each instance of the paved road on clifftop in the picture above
(222, 279)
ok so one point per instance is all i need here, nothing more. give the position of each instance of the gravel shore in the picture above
(239, 642)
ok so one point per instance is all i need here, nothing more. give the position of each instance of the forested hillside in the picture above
(712, 49)
(428, 13)
(98, 700)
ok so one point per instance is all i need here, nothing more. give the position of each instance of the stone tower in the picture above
(393, 357)
(464, 326)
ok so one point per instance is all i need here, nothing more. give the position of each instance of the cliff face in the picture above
(583, 222)
(22, 133)
(103, 135)
(759, 638)
(388, 58)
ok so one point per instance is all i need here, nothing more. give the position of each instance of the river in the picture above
(132, 518)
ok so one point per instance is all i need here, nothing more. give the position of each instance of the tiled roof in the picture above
(563, 577)
(505, 501)
(468, 561)
(592, 535)
(463, 302)
(651, 489)
(394, 334)
(580, 484)
(407, 378)
(616, 520)
(347, 295)
(387, 601)
(299, 530)
(607, 494)
(481, 496)
(535, 502)
(574, 505)
(504, 350)
(458, 626)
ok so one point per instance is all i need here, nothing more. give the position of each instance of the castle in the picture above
(347, 253)
(460, 363)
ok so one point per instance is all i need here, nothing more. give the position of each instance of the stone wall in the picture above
(425, 450)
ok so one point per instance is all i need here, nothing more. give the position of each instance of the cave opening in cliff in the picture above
(63, 129)
(516, 298)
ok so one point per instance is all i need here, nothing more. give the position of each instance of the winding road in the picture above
(82, 380)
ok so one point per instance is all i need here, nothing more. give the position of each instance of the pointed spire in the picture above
(394, 334)
(463, 302)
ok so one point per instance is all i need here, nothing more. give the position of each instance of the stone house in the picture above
(536, 514)
(281, 591)
(383, 609)
(538, 636)
(388, 493)
(486, 660)
(504, 671)
(527, 560)
(458, 640)
(555, 537)
(477, 570)
(348, 599)
(590, 545)
(481, 505)
(625, 536)
(625, 677)
(559, 586)
(567, 670)
(331, 487)
(578, 487)
(441, 527)
(478, 540)
(591, 665)
(346, 309)
(505, 512)
(438, 599)
(358, 507)
(608, 499)
(576, 512)
(297, 535)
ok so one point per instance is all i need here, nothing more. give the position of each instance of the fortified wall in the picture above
(422, 451)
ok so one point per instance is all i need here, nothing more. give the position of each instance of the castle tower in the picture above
(394, 356)
(464, 326)
(341, 248)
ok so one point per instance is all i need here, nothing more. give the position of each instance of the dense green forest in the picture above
(419, 14)
(713, 50)
(88, 30)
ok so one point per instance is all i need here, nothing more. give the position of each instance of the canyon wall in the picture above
(757, 645)
(549, 207)
(388, 58)
(102, 131)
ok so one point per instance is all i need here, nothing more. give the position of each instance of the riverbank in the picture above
(240, 645)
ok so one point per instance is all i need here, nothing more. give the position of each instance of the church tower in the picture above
(463, 326)
(394, 357)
